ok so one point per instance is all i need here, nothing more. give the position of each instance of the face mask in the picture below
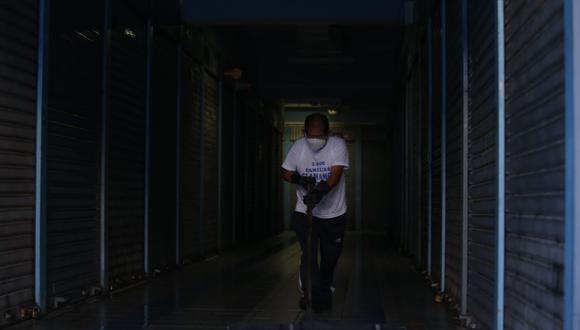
(316, 144)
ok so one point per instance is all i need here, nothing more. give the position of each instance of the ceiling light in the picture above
(130, 33)
(332, 111)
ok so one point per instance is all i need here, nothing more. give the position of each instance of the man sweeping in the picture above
(315, 163)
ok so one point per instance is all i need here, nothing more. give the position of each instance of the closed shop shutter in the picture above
(534, 164)
(454, 149)
(73, 144)
(210, 165)
(163, 166)
(127, 144)
(18, 58)
(190, 161)
(482, 162)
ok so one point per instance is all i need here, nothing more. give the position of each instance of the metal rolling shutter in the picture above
(436, 179)
(534, 164)
(18, 58)
(73, 144)
(127, 144)
(190, 161)
(164, 93)
(482, 162)
(210, 164)
(454, 150)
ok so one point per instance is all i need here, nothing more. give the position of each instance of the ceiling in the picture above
(354, 66)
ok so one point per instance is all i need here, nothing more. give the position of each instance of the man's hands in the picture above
(320, 190)
(315, 196)
(304, 181)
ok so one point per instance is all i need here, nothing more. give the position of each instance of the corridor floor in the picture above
(256, 288)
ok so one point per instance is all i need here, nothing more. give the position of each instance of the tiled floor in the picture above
(256, 288)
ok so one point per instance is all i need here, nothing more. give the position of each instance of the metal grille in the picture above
(210, 164)
(18, 57)
(127, 144)
(72, 158)
(482, 161)
(454, 149)
(534, 164)
(190, 165)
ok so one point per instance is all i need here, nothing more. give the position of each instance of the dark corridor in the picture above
(141, 145)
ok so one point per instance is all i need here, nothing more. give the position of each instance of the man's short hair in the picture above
(317, 117)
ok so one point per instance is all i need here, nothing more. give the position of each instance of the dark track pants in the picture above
(329, 233)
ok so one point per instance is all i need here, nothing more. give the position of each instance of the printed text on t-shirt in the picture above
(319, 170)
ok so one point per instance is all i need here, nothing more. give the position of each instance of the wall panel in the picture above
(18, 58)
(534, 164)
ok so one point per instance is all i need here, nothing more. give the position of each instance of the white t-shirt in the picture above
(302, 159)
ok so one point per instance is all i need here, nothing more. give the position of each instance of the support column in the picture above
(359, 179)
(220, 165)
(465, 157)
(147, 183)
(443, 139)
(500, 207)
(104, 157)
(420, 158)
(40, 269)
(178, 257)
(201, 182)
(572, 172)
(430, 148)
(235, 144)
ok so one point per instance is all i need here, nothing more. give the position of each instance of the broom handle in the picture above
(309, 253)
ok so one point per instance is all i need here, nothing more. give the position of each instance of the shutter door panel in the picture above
(164, 93)
(210, 165)
(18, 30)
(127, 144)
(534, 164)
(190, 166)
(482, 162)
(454, 150)
(73, 144)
